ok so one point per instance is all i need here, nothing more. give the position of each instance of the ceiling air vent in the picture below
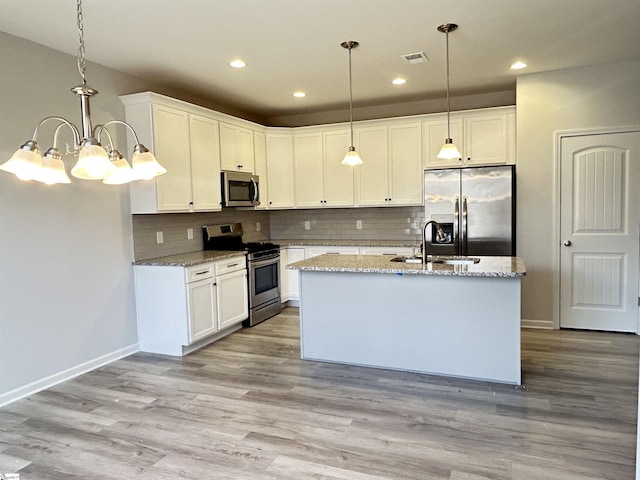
(419, 57)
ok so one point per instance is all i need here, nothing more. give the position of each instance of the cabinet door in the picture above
(236, 148)
(434, 134)
(372, 177)
(338, 178)
(309, 183)
(205, 163)
(405, 164)
(485, 139)
(280, 170)
(260, 158)
(284, 274)
(295, 254)
(233, 302)
(202, 308)
(172, 149)
(244, 149)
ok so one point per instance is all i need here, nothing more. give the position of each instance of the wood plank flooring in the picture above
(247, 407)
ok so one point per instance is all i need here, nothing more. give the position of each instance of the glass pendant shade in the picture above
(352, 158)
(122, 173)
(145, 166)
(93, 163)
(449, 151)
(52, 170)
(25, 162)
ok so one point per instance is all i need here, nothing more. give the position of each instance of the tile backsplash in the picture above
(174, 228)
(384, 223)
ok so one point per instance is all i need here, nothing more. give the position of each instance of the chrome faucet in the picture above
(441, 236)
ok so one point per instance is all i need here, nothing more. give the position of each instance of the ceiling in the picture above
(295, 45)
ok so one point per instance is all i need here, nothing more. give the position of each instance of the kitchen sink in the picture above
(447, 260)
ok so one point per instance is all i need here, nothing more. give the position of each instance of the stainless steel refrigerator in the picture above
(475, 207)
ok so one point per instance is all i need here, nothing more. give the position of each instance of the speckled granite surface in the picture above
(505, 267)
(347, 243)
(190, 259)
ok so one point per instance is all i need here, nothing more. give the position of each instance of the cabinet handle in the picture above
(203, 272)
(232, 265)
(239, 167)
(190, 203)
(468, 159)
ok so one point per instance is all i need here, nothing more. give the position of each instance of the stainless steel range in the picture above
(263, 268)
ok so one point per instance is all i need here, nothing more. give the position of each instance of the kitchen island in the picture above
(460, 320)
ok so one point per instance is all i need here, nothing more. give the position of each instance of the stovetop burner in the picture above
(229, 237)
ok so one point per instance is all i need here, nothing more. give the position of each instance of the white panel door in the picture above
(599, 228)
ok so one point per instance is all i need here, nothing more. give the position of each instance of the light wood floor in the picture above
(247, 407)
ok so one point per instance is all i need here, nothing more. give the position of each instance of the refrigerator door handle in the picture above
(464, 226)
(456, 230)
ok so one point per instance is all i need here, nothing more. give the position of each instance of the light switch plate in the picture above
(307, 225)
(358, 224)
(159, 238)
(189, 233)
(258, 227)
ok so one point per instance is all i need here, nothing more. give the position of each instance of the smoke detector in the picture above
(419, 57)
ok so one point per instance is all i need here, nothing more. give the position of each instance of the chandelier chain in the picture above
(82, 64)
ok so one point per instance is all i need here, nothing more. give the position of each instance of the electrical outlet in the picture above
(189, 233)
(258, 227)
(159, 238)
(307, 225)
(358, 224)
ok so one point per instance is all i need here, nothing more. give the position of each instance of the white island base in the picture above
(461, 326)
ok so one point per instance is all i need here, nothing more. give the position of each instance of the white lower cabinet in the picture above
(182, 308)
(284, 275)
(232, 300)
(296, 254)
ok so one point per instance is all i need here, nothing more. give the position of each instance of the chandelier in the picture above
(95, 161)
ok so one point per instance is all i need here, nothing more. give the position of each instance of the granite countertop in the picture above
(348, 243)
(504, 267)
(190, 259)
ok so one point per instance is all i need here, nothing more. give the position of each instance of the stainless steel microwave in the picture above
(240, 189)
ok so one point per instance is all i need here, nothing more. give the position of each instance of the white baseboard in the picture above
(68, 374)
(542, 324)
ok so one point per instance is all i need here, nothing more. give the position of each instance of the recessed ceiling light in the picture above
(518, 66)
(299, 94)
(238, 64)
(398, 81)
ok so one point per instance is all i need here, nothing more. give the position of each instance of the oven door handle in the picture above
(264, 261)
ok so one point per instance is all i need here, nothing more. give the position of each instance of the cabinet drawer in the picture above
(200, 272)
(230, 265)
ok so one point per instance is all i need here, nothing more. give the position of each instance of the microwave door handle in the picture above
(456, 229)
(254, 186)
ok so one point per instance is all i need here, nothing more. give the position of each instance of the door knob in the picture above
(567, 243)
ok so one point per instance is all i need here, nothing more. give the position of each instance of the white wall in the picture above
(602, 96)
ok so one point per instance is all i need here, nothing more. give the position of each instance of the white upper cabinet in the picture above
(186, 144)
(338, 178)
(205, 163)
(309, 169)
(172, 148)
(260, 157)
(372, 177)
(320, 178)
(392, 169)
(280, 170)
(483, 137)
(236, 148)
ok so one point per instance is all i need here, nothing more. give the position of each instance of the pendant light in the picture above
(449, 151)
(351, 158)
(95, 162)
